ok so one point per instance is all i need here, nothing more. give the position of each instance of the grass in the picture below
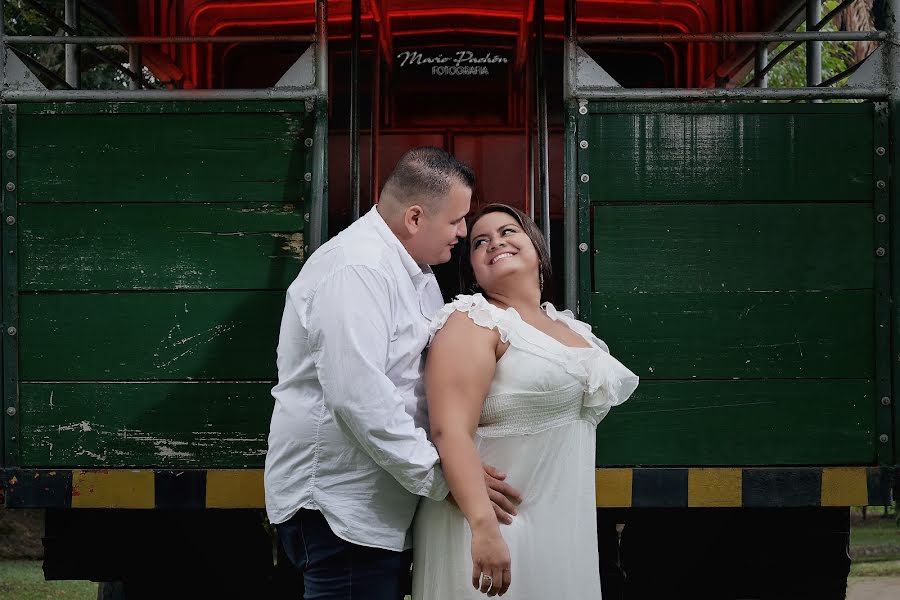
(24, 580)
(875, 544)
(884, 568)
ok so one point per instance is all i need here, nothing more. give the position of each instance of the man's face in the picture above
(441, 228)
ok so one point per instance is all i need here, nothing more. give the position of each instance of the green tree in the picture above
(836, 56)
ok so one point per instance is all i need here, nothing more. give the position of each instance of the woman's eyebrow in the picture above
(501, 228)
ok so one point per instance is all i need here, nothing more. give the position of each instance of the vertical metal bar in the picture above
(318, 217)
(322, 46)
(375, 127)
(11, 410)
(888, 404)
(355, 16)
(813, 49)
(570, 196)
(578, 111)
(318, 222)
(73, 52)
(529, 128)
(2, 46)
(4, 165)
(543, 171)
(136, 66)
(881, 169)
(761, 60)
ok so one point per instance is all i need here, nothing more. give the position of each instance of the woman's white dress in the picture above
(537, 425)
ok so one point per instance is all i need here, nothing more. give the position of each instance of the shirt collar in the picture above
(374, 218)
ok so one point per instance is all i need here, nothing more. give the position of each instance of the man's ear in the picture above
(412, 218)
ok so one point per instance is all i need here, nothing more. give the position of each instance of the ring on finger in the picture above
(490, 581)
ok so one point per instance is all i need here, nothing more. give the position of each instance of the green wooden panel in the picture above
(800, 422)
(159, 246)
(166, 157)
(730, 247)
(724, 155)
(180, 424)
(144, 335)
(720, 335)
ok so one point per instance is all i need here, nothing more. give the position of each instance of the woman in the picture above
(513, 383)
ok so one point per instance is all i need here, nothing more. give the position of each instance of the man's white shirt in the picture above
(348, 431)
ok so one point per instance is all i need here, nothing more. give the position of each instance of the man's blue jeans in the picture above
(335, 569)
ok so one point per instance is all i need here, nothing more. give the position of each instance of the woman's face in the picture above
(501, 250)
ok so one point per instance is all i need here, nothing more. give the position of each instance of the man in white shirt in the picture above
(348, 452)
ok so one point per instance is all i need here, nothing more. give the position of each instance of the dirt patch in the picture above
(20, 533)
(880, 588)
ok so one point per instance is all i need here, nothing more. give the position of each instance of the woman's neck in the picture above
(526, 302)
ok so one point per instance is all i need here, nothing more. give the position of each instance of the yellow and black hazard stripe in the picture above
(134, 488)
(751, 487)
(616, 487)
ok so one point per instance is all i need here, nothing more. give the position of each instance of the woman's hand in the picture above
(490, 560)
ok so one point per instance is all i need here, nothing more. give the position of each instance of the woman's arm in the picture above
(459, 370)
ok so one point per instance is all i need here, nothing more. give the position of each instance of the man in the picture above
(348, 452)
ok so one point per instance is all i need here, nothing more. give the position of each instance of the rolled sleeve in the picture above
(349, 342)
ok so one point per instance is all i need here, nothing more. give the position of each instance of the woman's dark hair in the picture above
(467, 283)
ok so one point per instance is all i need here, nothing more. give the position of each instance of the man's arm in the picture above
(349, 333)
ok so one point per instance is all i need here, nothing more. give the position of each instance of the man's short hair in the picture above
(426, 174)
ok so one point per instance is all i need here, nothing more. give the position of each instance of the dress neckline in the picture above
(546, 308)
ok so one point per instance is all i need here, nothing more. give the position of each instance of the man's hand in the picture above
(503, 496)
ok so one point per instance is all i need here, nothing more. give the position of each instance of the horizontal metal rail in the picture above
(736, 37)
(298, 93)
(93, 40)
(675, 94)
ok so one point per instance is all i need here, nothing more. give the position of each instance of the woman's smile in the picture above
(501, 256)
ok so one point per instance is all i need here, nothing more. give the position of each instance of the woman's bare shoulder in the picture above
(460, 325)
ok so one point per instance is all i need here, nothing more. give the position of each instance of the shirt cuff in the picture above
(435, 486)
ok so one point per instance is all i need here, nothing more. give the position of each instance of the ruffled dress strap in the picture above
(482, 312)
(607, 382)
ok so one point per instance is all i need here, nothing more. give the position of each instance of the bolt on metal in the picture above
(307, 177)
(582, 110)
(879, 252)
(885, 401)
(12, 331)
(881, 218)
(883, 438)
(11, 411)
(10, 220)
(10, 186)
(880, 184)
(583, 247)
(306, 217)
(583, 144)
(308, 142)
(10, 154)
(880, 150)
(585, 178)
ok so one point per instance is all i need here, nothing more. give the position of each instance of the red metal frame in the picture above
(419, 21)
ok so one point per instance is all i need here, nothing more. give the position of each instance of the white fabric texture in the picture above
(348, 431)
(538, 424)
